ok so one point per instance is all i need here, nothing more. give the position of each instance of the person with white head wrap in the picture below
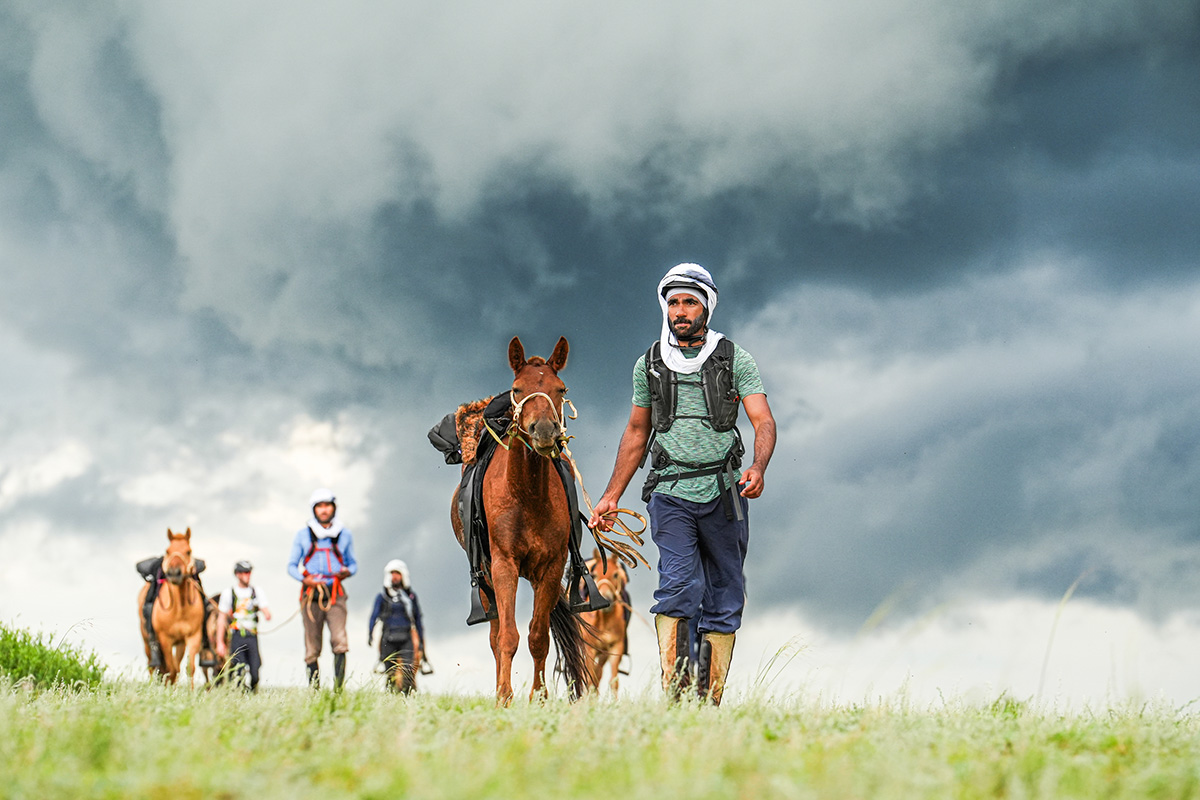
(322, 558)
(688, 388)
(401, 640)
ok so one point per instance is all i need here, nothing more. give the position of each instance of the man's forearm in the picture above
(629, 456)
(764, 444)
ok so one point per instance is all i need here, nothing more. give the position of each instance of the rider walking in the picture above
(402, 638)
(240, 606)
(322, 558)
(687, 389)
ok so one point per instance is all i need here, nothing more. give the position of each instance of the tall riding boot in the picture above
(674, 642)
(716, 652)
(339, 671)
(314, 675)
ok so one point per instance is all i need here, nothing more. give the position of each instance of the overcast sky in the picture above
(252, 249)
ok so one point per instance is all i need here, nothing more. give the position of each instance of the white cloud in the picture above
(68, 459)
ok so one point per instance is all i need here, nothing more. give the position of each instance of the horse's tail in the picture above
(571, 660)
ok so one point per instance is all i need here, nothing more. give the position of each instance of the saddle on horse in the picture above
(463, 437)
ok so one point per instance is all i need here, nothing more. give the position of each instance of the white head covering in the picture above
(324, 495)
(699, 283)
(321, 495)
(395, 565)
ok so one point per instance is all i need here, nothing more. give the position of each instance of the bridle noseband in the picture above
(560, 415)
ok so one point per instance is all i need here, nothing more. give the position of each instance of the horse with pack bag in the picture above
(516, 515)
(608, 640)
(177, 613)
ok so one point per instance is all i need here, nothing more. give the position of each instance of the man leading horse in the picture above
(687, 389)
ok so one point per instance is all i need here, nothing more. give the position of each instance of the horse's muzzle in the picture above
(544, 438)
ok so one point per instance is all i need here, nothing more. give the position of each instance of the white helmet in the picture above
(395, 565)
(322, 495)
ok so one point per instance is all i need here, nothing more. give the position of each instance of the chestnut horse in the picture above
(607, 645)
(214, 674)
(178, 615)
(529, 522)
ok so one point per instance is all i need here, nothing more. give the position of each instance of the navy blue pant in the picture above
(700, 558)
(244, 658)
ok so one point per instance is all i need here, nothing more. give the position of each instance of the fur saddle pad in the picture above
(468, 421)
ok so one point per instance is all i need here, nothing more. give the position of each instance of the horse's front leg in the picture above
(545, 595)
(618, 653)
(505, 637)
(172, 659)
(193, 648)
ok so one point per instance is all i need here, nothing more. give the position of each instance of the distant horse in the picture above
(178, 616)
(529, 522)
(215, 674)
(607, 645)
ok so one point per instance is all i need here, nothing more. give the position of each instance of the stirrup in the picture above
(208, 658)
(594, 601)
(478, 612)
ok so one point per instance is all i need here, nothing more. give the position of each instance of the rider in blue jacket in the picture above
(322, 558)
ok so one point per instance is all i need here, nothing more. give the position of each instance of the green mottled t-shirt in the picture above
(692, 439)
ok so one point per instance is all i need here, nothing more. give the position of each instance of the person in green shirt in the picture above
(687, 391)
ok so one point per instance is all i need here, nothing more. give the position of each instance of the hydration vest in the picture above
(253, 606)
(388, 606)
(721, 412)
(715, 380)
(312, 549)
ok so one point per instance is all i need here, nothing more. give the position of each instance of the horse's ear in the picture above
(188, 534)
(558, 359)
(170, 535)
(516, 354)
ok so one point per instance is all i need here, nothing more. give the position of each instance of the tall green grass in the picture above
(152, 741)
(36, 662)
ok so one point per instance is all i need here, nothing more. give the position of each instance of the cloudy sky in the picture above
(252, 249)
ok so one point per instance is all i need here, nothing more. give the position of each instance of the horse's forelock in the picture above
(535, 361)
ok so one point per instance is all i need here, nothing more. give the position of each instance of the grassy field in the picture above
(124, 740)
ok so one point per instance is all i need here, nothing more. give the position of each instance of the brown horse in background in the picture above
(607, 646)
(214, 674)
(178, 615)
(529, 522)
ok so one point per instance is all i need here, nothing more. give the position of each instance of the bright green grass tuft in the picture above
(156, 741)
(33, 661)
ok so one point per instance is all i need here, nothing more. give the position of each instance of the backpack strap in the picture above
(312, 547)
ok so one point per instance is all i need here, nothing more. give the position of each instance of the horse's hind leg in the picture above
(545, 595)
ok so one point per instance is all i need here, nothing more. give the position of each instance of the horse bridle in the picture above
(189, 565)
(560, 414)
